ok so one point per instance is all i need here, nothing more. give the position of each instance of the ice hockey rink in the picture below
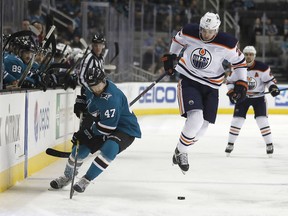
(143, 182)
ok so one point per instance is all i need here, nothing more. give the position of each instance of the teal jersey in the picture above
(112, 112)
(14, 65)
(7, 78)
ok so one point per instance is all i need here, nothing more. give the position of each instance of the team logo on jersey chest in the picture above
(200, 58)
(105, 95)
(252, 83)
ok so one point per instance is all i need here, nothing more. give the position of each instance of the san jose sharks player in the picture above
(16, 63)
(259, 77)
(110, 129)
(201, 49)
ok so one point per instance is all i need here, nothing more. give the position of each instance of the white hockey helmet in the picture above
(60, 48)
(210, 21)
(249, 49)
(249, 58)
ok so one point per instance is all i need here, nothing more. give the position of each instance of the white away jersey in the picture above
(259, 76)
(202, 62)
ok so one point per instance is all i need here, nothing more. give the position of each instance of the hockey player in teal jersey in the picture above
(109, 130)
(16, 63)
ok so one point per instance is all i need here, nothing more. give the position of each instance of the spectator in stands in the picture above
(285, 27)
(70, 33)
(76, 42)
(284, 56)
(249, 5)
(236, 5)
(257, 30)
(193, 8)
(40, 27)
(271, 29)
(34, 7)
(25, 24)
(258, 26)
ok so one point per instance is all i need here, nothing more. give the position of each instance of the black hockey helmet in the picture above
(98, 38)
(95, 76)
(25, 44)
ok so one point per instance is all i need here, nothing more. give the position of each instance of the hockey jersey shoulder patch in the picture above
(225, 40)
(191, 30)
(259, 66)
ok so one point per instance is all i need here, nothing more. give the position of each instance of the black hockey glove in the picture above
(238, 94)
(41, 81)
(85, 134)
(168, 61)
(53, 81)
(274, 90)
(28, 84)
(70, 81)
(80, 105)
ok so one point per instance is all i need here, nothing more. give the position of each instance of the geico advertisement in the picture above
(12, 118)
(164, 95)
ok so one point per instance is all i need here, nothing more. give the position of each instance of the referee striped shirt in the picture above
(89, 61)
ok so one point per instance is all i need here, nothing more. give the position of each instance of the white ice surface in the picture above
(143, 182)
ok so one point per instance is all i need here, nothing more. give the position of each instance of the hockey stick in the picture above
(268, 92)
(111, 67)
(56, 153)
(83, 42)
(75, 160)
(116, 52)
(148, 88)
(284, 89)
(26, 71)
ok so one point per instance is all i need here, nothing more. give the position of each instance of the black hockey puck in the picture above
(181, 198)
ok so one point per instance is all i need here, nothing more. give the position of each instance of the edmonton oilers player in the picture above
(203, 50)
(259, 77)
(110, 129)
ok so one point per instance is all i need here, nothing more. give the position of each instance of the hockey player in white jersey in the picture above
(201, 50)
(259, 77)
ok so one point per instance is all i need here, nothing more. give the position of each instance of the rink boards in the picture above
(30, 122)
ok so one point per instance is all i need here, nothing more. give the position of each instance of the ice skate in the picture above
(182, 160)
(229, 149)
(60, 182)
(269, 150)
(81, 185)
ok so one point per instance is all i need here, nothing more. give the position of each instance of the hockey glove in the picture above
(238, 94)
(274, 90)
(80, 105)
(168, 61)
(28, 84)
(85, 134)
(70, 81)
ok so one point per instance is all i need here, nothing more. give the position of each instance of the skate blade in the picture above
(53, 189)
(184, 172)
(228, 154)
(270, 155)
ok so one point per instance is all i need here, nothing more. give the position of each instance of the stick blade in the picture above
(56, 153)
